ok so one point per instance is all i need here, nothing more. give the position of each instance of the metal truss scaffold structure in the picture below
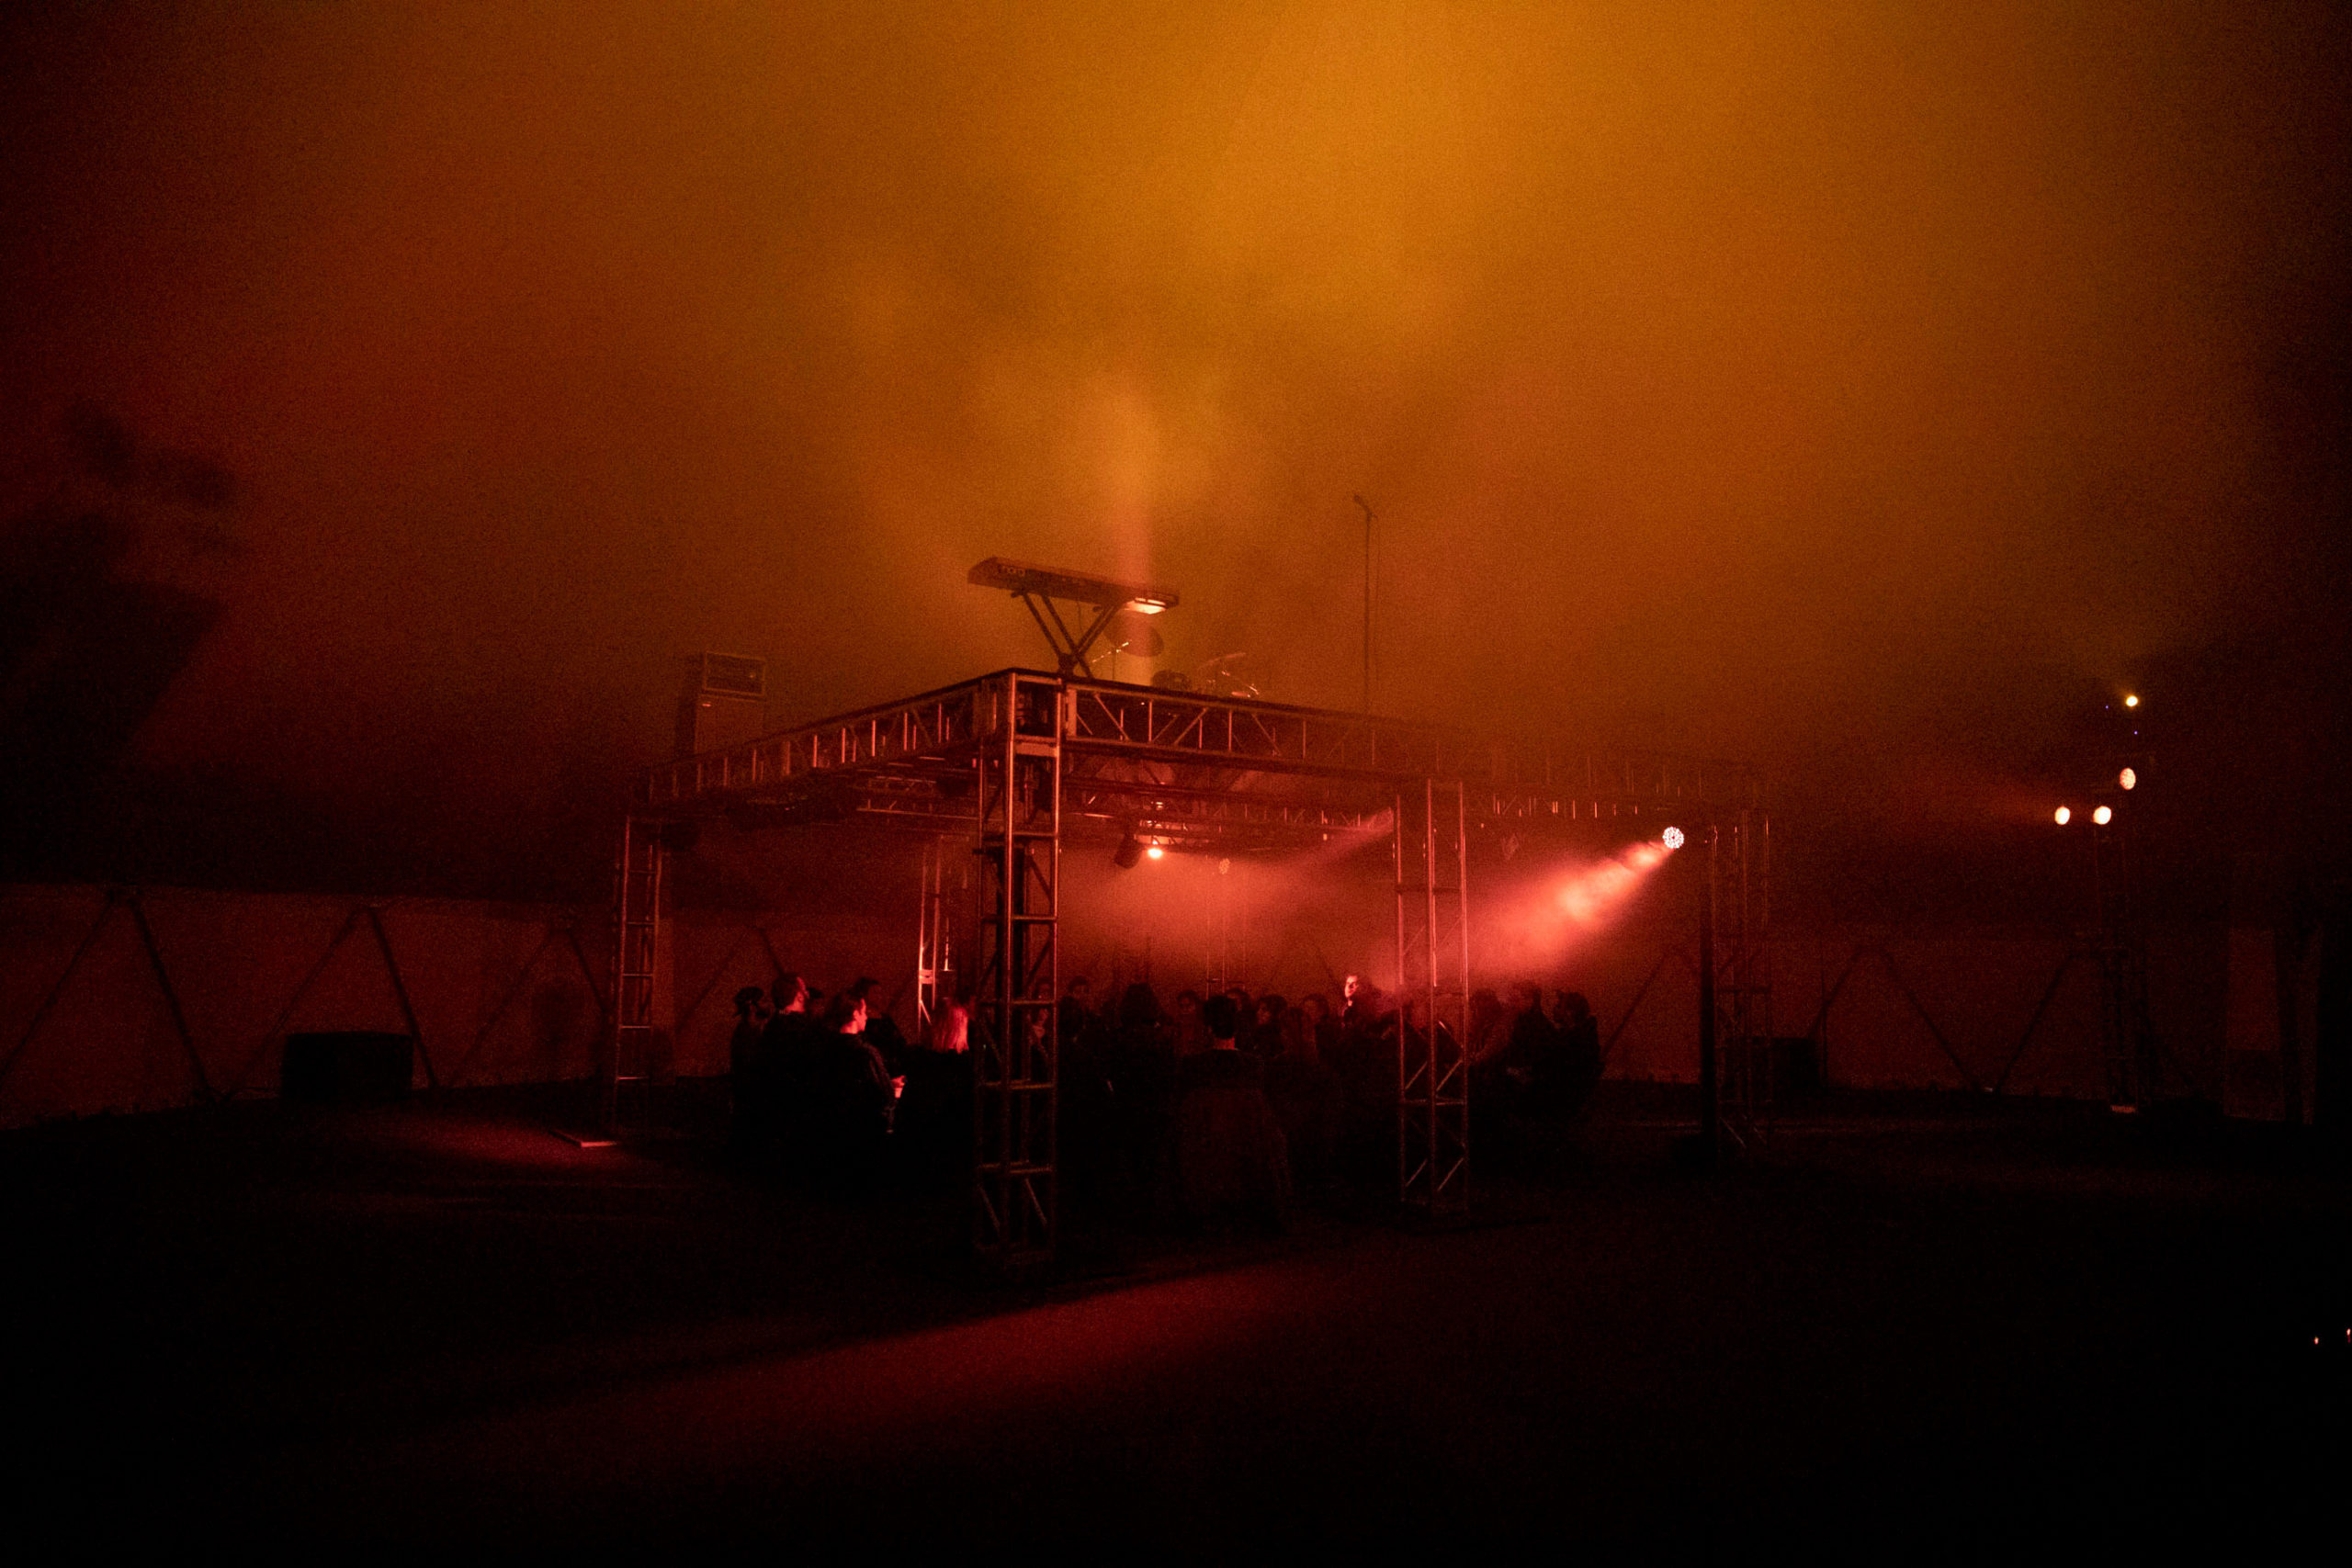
(1739, 851)
(1433, 858)
(1016, 1032)
(1019, 761)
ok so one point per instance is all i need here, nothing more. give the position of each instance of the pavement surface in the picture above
(1935, 1325)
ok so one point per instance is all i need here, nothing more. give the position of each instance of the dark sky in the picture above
(1859, 389)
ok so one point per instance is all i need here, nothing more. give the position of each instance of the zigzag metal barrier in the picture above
(373, 915)
(1864, 952)
(117, 898)
(563, 930)
(560, 929)
(1943, 1043)
(570, 932)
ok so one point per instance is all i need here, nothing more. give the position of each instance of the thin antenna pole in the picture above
(1367, 602)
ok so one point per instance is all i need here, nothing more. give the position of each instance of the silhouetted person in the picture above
(856, 1094)
(1264, 1040)
(1087, 1127)
(1141, 1067)
(1230, 1162)
(775, 1096)
(1076, 1015)
(1322, 1025)
(1532, 1070)
(950, 1026)
(1306, 1100)
(1366, 1064)
(743, 1063)
(1189, 1034)
(1490, 1027)
(933, 1134)
(1579, 1038)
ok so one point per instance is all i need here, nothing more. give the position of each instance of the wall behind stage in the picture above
(500, 993)
(514, 993)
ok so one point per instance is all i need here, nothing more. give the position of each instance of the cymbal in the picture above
(1131, 632)
(1229, 674)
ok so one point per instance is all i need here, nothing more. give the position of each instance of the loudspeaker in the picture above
(725, 702)
(348, 1068)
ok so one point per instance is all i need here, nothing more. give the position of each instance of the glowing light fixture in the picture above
(1104, 598)
(1155, 852)
(2128, 779)
(2132, 702)
(2064, 814)
(1672, 837)
(2103, 815)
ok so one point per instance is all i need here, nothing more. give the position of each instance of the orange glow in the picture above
(1590, 895)
(1155, 852)
(2132, 702)
(2128, 779)
(1671, 838)
(2064, 815)
(2103, 815)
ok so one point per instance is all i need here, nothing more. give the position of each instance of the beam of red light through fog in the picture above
(1571, 903)
(1591, 895)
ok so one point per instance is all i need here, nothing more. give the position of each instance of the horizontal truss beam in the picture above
(1190, 768)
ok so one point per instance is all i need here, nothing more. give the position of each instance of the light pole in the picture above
(1366, 505)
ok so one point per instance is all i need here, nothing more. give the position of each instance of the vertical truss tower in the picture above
(1015, 1035)
(637, 924)
(1433, 857)
(1739, 884)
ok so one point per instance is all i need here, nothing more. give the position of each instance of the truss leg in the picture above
(1736, 1024)
(637, 923)
(929, 937)
(1432, 864)
(1015, 1080)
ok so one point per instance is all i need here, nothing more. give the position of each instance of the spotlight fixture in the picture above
(2064, 814)
(2132, 702)
(1130, 850)
(1156, 852)
(1671, 838)
(2128, 779)
(2103, 815)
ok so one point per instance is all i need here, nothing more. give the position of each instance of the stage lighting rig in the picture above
(1037, 587)
(1132, 850)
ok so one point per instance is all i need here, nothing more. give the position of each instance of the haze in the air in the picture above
(1860, 390)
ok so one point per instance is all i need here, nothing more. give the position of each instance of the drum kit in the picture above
(1132, 634)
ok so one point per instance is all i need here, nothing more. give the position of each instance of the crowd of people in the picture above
(1223, 1105)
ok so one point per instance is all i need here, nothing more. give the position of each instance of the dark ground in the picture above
(1913, 1326)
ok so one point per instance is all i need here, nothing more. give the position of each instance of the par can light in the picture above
(2128, 779)
(2064, 814)
(1671, 838)
(2103, 815)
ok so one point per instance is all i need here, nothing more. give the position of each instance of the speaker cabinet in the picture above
(725, 702)
(348, 1068)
